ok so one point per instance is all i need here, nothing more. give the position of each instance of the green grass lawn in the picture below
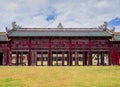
(75, 76)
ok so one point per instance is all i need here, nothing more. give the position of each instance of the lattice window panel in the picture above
(99, 43)
(80, 43)
(40, 43)
(59, 43)
(4, 46)
(20, 43)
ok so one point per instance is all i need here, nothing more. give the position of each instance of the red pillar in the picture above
(69, 53)
(109, 58)
(76, 58)
(17, 58)
(29, 53)
(98, 61)
(41, 58)
(90, 58)
(63, 58)
(9, 55)
(102, 58)
(50, 54)
(21, 58)
(109, 54)
(57, 58)
(84, 58)
(90, 53)
(5, 59)
(112, 57)
(117, 58)
(33, 58)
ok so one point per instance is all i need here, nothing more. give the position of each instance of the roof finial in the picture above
(60, 25)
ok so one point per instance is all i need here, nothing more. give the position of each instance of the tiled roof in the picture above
(117, 37)
(26, 32)
(3, 37)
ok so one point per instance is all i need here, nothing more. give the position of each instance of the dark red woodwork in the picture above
(64, 45)
(1, 58)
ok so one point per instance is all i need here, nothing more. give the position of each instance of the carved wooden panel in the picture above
(40, 43)
(20, 43)
(4, 46)
(99, 45)
(80, 43)
(60, 43)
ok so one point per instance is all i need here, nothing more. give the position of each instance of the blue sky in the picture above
(71, 13)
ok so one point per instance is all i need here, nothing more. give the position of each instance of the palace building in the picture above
(59, 46)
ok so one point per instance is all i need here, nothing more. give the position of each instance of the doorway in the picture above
(1, 58)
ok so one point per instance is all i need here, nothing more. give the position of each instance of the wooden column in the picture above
(29, 58)
(57, 58)
(9, 55)
(68, 58)
(70, 55)
(109, 54)
(90, 58)
(109, 58)
(29, 53)
(17, 58)
(90, 53)
(63, 58)
(102, 58)
(98, 63)
(84, 58)
(21, 58)
(117, 59)
(33, 57)
(112, 56)
(41, 58)
(50, 54)
(76, 58)
(5, 57)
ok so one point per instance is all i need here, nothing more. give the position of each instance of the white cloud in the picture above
(72, 13)
(117, 28)
(12, 6)
(102, 4)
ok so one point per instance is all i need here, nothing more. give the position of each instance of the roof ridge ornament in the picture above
(104, 26)
(7, 30)
(113, 29)
(60, 25)
(15, 25)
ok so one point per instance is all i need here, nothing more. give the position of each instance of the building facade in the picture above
(59, 46)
